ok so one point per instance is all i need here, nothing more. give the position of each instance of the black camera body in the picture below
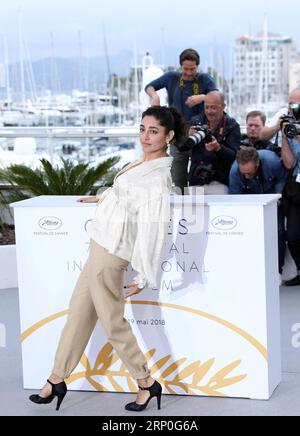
(292, 129)
(202, 136)
(245, 142)
(204, 174)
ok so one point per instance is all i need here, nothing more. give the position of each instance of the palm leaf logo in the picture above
(177, 377)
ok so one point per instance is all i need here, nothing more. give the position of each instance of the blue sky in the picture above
(178, 23)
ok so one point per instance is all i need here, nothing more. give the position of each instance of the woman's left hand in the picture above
(132, 289)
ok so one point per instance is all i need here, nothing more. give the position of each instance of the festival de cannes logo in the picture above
(50, 223)
(224, 223)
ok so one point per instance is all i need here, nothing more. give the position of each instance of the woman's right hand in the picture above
(87, 200)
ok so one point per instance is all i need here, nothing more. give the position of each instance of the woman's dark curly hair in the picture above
(170, 119)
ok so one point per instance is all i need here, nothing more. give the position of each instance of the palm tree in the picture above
(2, 206)
(70, 179)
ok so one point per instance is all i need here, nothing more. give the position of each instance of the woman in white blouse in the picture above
(130, 225)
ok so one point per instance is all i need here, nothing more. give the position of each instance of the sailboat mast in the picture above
(110, 78)
(54, 73)
(266, 42)
(22, 71)
(136, 85)
(7, 75)
(163, 48)
(81, 61)
(264, 71)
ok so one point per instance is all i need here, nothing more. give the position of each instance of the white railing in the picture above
(49, 140)
(68, 132)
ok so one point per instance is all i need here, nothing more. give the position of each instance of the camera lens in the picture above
(198, 137)
(291, 131)
(195, 139)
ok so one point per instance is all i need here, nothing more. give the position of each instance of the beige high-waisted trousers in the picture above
(99, 295)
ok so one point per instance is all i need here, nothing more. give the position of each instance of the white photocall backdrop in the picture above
(211, 329)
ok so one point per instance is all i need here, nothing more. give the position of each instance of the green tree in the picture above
(2, 206)
(70, 179)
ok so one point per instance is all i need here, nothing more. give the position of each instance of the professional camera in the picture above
(203, 135)
(292, 129)
(245, 142)
(204, 174)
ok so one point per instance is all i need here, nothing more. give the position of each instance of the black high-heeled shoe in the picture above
(59, 390)
(155, 391)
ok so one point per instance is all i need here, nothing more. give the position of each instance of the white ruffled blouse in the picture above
(132, 217)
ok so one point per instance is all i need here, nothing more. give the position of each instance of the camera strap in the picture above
(198, 88)
(276, 143)
(219, 131)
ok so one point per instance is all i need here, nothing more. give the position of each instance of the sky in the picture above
(156, 25)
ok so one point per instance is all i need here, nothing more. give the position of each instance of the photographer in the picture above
(186, 92)
(291, 159)
(274, 125)
(186, 89)
(211, 159)
(260, 172)
(256, 121)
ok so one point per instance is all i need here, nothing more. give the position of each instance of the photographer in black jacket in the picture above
(212, 158)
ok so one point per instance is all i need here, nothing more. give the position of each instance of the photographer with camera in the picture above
(291, 159)
(274, 125)
(214, 140)
(255, 121)
(186, 92)
(260, 172)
